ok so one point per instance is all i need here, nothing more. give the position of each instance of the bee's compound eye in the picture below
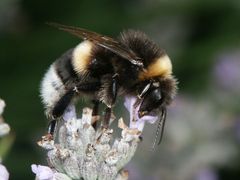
(152, 100)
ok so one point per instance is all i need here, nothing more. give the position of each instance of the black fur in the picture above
(168, 88)
(88, 87)
(101, 62)
(140, 43)
(64, 69)
(62, 104)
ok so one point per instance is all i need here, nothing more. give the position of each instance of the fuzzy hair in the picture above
(51, 88)
(142, 45)
(169, 88)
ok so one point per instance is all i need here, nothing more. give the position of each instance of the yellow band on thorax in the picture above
(81, 56)
(161, 67)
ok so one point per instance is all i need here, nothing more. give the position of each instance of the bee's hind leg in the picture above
(95, 115)
(62, 104)
(113, 92)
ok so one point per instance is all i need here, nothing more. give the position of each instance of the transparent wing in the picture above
(103, 41)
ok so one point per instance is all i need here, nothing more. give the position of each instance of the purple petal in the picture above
(137, 125)
(206, 174)
(227, 72)
(2, 106)
(150, 119)
(128, 103)
(70, 113)
(139, 122)
(42, 172)
(4, 175)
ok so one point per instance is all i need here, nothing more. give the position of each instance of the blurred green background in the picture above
(201, 37)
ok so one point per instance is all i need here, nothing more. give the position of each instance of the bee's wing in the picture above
(104, 41)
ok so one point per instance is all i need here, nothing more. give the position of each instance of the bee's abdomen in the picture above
(52, 88)
(64, 68)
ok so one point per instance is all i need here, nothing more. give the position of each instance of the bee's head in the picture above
(156, 62)
(155, 94)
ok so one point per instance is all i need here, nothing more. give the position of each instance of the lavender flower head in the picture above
(4, 175)
(4, 130)
(78, 151)
(4, 127)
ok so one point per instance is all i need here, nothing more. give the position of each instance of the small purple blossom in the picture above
(237, 128)
(206, 174)
(135, 121)
(227, 71)
(2, 106)
(42, 172)
(4, 175)
(70, 113)
(46, 173)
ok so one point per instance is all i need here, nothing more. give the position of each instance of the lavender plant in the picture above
(78, 151)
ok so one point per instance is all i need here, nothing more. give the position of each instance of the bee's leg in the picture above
(51, 127)
(134, 109)
(107, 116)
(142, 92)
(62, 104)
(114, 88)
(145, 90)
(108, 110)
(95, 115)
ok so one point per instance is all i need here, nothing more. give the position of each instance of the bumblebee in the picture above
(103, 68)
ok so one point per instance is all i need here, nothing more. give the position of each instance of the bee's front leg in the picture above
(51, 127)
